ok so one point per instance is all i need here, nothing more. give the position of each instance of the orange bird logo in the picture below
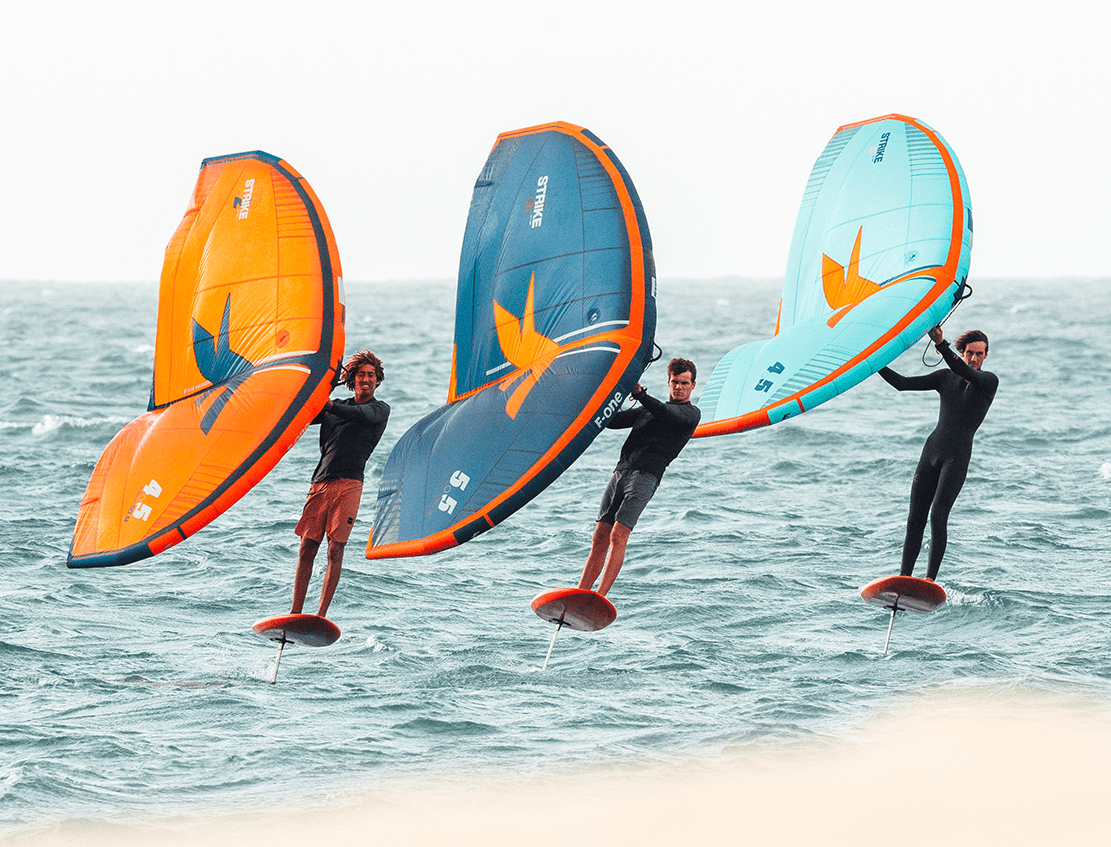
(524, 348)
(843, 285)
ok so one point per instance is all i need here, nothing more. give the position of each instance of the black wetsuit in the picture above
(348, 435)
(966, 394)
(660, 431)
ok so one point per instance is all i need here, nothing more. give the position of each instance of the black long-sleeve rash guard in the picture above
(348, 435)
(659, 432)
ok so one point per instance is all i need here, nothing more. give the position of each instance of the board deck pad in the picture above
(310, 630)
(904, 593)
(577, 608)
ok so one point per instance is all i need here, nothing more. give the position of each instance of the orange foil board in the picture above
(577, 608)
(249, 335)
(310, 630)
(905, 593)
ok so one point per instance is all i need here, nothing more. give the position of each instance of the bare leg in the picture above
(599, 545)
(305, 558)
(619, 537)
(331, 575)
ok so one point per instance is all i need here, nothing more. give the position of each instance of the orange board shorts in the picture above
(330, 508)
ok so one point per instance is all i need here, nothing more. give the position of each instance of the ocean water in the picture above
(140, 695)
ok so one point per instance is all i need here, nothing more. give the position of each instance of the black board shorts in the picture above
(626, 496)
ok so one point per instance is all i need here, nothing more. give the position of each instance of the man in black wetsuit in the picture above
(966, 393)
(659, 431)
(349, 431)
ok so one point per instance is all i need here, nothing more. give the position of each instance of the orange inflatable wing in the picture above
(250, 337)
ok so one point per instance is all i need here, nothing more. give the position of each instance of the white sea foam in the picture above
(52, 423)
(375, 645)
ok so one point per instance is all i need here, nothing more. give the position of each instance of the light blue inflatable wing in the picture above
(880, 255)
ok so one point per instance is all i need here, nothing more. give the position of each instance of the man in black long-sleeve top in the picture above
(659, 432)
(966, 393)
(349, 431)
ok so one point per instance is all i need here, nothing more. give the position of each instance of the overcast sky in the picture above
(717, 110)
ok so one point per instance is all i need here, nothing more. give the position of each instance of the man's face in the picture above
(974, 354)
(366, 380)
(679, 387)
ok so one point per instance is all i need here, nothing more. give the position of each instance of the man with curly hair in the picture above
(966, 393)
(349, 431)
(659, 431)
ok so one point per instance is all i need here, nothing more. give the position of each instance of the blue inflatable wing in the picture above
(555, 321)
(880, 255)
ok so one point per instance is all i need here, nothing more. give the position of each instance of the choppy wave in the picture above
(53, 423)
